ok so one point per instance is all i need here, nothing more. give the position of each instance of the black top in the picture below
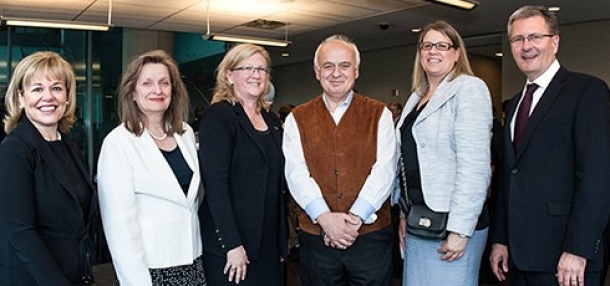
(409, 157)
(270, 241)
(181, 169)
(82, 191)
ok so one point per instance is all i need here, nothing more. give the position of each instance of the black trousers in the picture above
(518, 277)
(367, 262)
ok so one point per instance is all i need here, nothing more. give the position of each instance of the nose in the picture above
(156, 88)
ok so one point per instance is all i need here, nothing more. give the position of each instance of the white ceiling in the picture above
(308, 21)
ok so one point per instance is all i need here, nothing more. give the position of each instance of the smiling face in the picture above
(44, 102)
(533, 58)
(337, 69)
(437, 64)
(153, 90)
(249, 77)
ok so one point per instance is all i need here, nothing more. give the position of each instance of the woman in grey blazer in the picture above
(444, 139)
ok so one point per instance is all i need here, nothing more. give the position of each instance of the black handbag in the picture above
(421, 220)
(426, 223)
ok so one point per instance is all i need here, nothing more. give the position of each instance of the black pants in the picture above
(367, 262)
(518, 277)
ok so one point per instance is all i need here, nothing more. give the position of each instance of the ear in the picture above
(21, 98)
(316, 70)
(229, 77)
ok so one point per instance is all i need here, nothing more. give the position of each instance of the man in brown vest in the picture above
(340, 154)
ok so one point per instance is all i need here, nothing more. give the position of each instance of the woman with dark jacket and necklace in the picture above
(47, 199)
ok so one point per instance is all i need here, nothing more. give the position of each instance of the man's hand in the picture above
(339, 228)
(499, 260)
(571, 269)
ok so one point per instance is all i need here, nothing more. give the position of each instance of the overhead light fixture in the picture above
(246, 39)
(243, 39)
(70, 25)
(462, 4)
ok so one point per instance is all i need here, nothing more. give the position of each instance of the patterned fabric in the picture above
(182, 275)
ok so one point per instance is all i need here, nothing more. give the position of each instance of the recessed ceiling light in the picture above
(416, 30)
(554, 8)
(499, 54)
(285, 54)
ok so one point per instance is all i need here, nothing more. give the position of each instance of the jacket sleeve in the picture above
(119, 212)
(18, 214)
(216, 142)
(472, 136)
(591, 199)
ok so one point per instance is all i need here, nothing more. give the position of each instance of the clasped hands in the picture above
(339, 230)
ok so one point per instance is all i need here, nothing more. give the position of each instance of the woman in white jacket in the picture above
(149, 182)
(444, 140)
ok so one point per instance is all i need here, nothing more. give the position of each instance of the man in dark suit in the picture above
(554, 201)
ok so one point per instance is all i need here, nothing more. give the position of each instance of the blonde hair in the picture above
(224, 90)
(50, 65)
(462, 66)
(176, 112)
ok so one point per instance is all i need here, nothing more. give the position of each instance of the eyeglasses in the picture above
(260, 70)
(440, 46)
(533, 38)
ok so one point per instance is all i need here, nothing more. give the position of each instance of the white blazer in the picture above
(453, 136)
(148, 221)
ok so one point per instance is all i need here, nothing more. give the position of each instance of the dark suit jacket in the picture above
(234, 176)
(555, 194)
(43, 230)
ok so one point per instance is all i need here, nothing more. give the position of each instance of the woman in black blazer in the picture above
(242, 217)
(47, 199)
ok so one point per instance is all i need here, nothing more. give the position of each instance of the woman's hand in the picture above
(453, 248)
(237, 264)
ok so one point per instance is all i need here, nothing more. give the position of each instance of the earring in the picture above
(230, 83)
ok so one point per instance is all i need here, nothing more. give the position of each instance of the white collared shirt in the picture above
(543, 82)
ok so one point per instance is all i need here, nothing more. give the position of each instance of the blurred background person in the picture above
(243, 216)
(444, 136)
(396, 109)
(47, 199)
(148, 177)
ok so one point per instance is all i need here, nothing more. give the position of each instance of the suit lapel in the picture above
(442, 94)
(547, 100)
(248, 128)
(190, 159)
(30, 134)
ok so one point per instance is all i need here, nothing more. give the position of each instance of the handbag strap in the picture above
(403, 179)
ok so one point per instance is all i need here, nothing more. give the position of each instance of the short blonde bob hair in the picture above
(52, 66)
(224, 90)
(131, 115)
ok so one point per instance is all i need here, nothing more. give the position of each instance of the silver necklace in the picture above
(159, 138)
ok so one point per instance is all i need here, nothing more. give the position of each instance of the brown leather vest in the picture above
(340, 157)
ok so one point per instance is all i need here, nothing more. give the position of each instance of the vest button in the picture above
(515, 171)
(336, 172)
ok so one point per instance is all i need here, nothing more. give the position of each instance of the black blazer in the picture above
(234, 176)
(555, 193)
(44, 238)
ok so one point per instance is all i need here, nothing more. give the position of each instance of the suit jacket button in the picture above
(222, 246)
(217, 231)
(515, 171)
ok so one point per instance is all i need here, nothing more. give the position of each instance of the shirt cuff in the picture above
(364, 210)
(315, 208)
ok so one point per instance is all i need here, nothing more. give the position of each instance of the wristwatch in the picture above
(462, 236)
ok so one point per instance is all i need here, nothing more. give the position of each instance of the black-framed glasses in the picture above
(532, 38)
(260, 70)
(440, 46)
